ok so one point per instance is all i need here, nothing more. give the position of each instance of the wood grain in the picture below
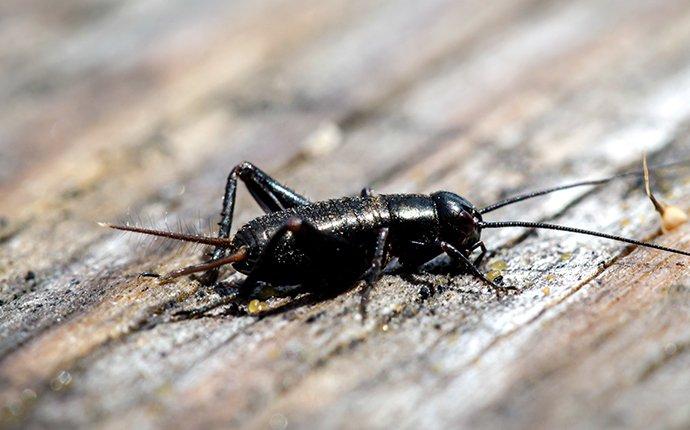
(123, 110)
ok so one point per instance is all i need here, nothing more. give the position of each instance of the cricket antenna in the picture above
(215, 241)
(545, 226)
(533, 194)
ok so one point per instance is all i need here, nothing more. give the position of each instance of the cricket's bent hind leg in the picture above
(270, 194)
(458, 256)
(318, 245)
(374, 273)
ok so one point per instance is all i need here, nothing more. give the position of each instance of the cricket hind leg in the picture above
(305, 233)
(270, 195)
(322, 248)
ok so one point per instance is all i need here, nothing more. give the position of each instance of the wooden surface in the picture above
(117, 110)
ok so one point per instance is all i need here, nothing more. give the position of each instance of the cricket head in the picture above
(459, 219)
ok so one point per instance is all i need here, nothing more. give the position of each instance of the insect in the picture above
(350, 240)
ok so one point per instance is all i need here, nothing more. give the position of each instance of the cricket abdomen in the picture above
(352, 222)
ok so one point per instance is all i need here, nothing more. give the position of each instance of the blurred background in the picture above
(212, 82)
(127, 110)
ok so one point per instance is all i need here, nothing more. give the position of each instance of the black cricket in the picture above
(350, 240)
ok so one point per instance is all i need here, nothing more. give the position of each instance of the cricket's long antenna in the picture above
(530, 195)
(215, 241)
(541, 225)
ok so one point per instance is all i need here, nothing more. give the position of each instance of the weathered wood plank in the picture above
(520, 94)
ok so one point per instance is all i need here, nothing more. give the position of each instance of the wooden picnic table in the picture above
(137, 110)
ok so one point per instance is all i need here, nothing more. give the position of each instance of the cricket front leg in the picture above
(457, 256)
(482, 254)
(373, 274)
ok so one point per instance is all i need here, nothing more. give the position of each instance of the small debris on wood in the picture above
(566, 256)
(257, 306)
(492, 275)
(496, 269)
(30, 276)
(424, 293)
(672, 217)
(323, 141)
(61, 381)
